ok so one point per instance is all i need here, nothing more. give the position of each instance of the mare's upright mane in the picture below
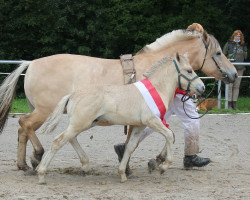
(168, 39)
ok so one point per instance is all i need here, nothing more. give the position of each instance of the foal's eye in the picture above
(189, 71)
(218, 53)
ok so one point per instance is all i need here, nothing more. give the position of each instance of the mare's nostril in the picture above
(236, 75)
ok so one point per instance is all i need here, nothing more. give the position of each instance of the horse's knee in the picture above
(59, 141)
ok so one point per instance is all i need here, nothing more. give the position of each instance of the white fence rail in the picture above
(219, 82)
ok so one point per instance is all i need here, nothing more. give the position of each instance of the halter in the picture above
(182, 75)
(206, 47)
(213, 57)
(185, 97)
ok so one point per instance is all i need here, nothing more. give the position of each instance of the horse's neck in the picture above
(193, 47)
(165, 82)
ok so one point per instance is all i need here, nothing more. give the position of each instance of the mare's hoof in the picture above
(34, 164)
(152, 165)
(23, 167)
(30, 172)
(35, 161)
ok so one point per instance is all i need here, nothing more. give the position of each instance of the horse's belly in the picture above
(114, 119)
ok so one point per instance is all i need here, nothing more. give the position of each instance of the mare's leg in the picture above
(28, 125)
(130, 147)
(81, 154)
(58, 142)
(130, 129)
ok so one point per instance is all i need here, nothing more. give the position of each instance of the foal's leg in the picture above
(81, 154)
(165, 157)
(130, 147)
(58, 142)
(28, 125)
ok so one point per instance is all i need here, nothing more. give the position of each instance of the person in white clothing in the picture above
(191, 132)
(191, 126)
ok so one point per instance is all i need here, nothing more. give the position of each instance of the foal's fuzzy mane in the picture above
(159, 64)
(168, 39)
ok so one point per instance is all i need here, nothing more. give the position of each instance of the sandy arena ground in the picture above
(224, 138)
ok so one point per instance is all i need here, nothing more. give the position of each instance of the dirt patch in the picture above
(224, 138)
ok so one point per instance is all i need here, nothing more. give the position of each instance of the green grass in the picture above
(243, 105)
(20, 106)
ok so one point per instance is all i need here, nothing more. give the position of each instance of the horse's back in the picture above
(106, 104)
(48, 79)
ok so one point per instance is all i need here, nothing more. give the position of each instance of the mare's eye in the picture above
(218, 53)
(189, 71)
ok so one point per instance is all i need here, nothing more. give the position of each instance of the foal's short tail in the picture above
(54, 118)
(7, 92)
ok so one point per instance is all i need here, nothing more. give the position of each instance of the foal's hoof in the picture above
(128, 171)
(42, 183)
(123, 178)
(163, 167)
(85, 168)
(41, 180)
(152, 165)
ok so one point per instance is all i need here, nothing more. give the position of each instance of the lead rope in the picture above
(185, 98)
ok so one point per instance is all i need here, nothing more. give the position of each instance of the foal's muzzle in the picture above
(200, 89)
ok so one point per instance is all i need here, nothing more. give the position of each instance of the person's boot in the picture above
(120, 149)
(195, 161)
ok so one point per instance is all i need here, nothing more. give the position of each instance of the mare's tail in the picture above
(7, 92)
(54, 118)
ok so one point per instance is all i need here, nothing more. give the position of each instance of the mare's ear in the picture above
(205, 36)
(178, 57)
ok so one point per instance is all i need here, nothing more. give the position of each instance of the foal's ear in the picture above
(178, 57)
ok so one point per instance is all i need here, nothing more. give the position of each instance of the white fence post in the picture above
(226, 95)
(219, 94)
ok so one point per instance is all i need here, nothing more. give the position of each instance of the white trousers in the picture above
(191, 126)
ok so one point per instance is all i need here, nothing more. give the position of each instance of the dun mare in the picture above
(106, 105)
(48, 79)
